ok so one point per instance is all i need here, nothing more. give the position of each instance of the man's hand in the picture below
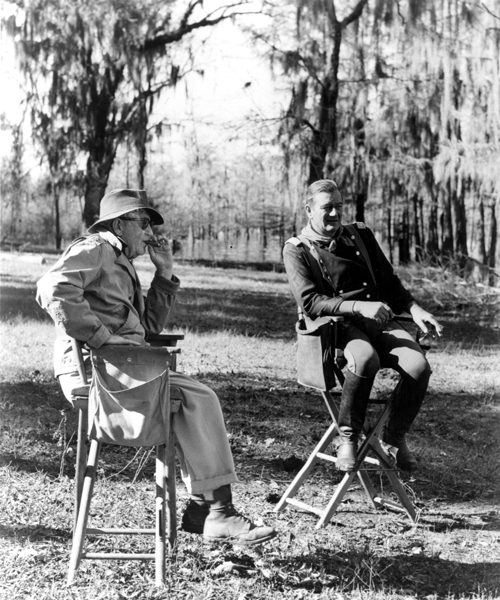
(160, 253)
(421, 316)
(118, 340)
(376, 311)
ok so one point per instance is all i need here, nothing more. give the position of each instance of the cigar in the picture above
(155, 243)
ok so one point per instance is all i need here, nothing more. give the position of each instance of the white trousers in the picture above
(200, 433)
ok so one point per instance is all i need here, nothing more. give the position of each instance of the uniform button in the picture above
(357, 253)
(368, 296)
(364, 283)
(352, 237)
(341, 291)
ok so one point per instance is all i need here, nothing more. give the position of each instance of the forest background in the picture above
(225, 112)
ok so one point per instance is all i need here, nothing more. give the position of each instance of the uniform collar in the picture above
(329, 242)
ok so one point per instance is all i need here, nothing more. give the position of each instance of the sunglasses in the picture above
(144, 223)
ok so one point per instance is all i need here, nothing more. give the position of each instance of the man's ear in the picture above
(117, 226)
(308, 210)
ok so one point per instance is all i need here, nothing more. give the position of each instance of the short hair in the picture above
(322, 185)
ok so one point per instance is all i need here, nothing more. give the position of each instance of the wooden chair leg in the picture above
(81, 460)
(171, 493)
(306, 469)
(83, 513)
(336, 499)
(161, 510)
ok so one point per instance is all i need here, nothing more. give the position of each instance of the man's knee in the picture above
(419, 370)
(363, 361)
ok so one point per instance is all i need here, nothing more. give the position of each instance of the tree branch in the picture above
(489, 11)
(308, 123)
(355, 14)
(169, 37)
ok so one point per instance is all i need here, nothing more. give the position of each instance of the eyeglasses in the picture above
(144, 223)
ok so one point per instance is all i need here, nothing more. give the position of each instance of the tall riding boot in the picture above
(409, 396)
(214, 515)
(353, 403)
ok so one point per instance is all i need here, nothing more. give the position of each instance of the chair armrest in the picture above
(164, 339)
(80, 397)
(81, 391)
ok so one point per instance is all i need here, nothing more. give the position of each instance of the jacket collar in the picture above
(116, 242)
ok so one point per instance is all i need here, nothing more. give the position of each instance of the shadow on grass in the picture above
(268, 426)
(456, 464)
(268, 423)
(470, 334)
(415, 576)
(243, 312)
(205, 310)
(249, 313)
(19, 301)
(34, 533)
(35, 421)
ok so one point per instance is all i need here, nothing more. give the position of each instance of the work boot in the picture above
(408, 398)
(354, 400)
(194, 517)
(222, 522)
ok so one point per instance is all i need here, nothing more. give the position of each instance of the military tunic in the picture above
(342, 275)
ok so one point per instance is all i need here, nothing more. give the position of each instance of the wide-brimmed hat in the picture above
(120, 202)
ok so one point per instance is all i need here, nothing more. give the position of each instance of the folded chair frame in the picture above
(381, 458)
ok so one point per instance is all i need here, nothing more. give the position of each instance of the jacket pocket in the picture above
(132, 324)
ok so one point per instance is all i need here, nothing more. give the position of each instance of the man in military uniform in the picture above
(341, 270)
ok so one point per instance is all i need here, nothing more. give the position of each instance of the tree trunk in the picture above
(99, 166)
(492, 251)
(482, 233)
(417, 213)
(94, 191)
(404, 238)
(57, 214)
(389, 233)
(325, 135)
(142, 166)
(447, 244)
(360, 177)
(460, 227)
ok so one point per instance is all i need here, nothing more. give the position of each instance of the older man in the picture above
(93, 294)
(336, 272)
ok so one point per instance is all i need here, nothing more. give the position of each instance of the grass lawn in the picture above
(239, 326)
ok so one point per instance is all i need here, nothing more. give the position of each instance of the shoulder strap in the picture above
(296, 241)
(362, 248)
(313, 251)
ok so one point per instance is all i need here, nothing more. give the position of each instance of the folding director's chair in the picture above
(381, 459)
(165, 530)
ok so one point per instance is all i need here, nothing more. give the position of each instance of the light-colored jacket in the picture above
(93, 291)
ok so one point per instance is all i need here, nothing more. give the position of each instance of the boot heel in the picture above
(346, 456)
